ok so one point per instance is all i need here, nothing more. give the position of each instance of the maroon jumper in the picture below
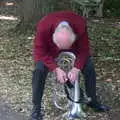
(46, 51)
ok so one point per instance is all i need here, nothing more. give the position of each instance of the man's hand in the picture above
(61, 75)
(73, 74)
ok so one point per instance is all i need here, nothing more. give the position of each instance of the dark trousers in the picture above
(40, 74)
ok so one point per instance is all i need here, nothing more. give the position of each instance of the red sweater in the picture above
(45, 50)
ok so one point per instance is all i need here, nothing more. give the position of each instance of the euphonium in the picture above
(66, 61)
(76, 110)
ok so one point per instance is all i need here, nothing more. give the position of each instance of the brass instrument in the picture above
(73, 105)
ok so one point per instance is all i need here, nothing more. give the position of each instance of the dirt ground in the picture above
(16, 67)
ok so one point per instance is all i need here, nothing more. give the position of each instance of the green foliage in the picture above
(112, 8)
(112, 4)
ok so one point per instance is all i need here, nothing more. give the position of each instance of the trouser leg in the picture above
(90, 79)
(38, 83)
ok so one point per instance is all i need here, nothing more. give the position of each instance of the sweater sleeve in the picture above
(82, 51)
(40, 50)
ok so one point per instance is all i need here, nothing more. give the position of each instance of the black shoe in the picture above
(97, 107)
(36, 113)
(37, 116)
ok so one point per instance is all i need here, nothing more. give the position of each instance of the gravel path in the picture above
(7, 114)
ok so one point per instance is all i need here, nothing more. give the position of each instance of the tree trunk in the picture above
(30, 11)
(33, 10)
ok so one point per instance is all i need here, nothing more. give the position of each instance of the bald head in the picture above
(63, 36)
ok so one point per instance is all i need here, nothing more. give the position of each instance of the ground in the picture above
(16, 65)
(7, 114)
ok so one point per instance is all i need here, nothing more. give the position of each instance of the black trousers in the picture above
(40, 74)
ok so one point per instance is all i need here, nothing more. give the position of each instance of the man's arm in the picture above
(40, 48)
(83, 50)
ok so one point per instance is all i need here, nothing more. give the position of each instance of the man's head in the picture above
(63, 36)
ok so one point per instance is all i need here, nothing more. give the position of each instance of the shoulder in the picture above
(61, 14)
